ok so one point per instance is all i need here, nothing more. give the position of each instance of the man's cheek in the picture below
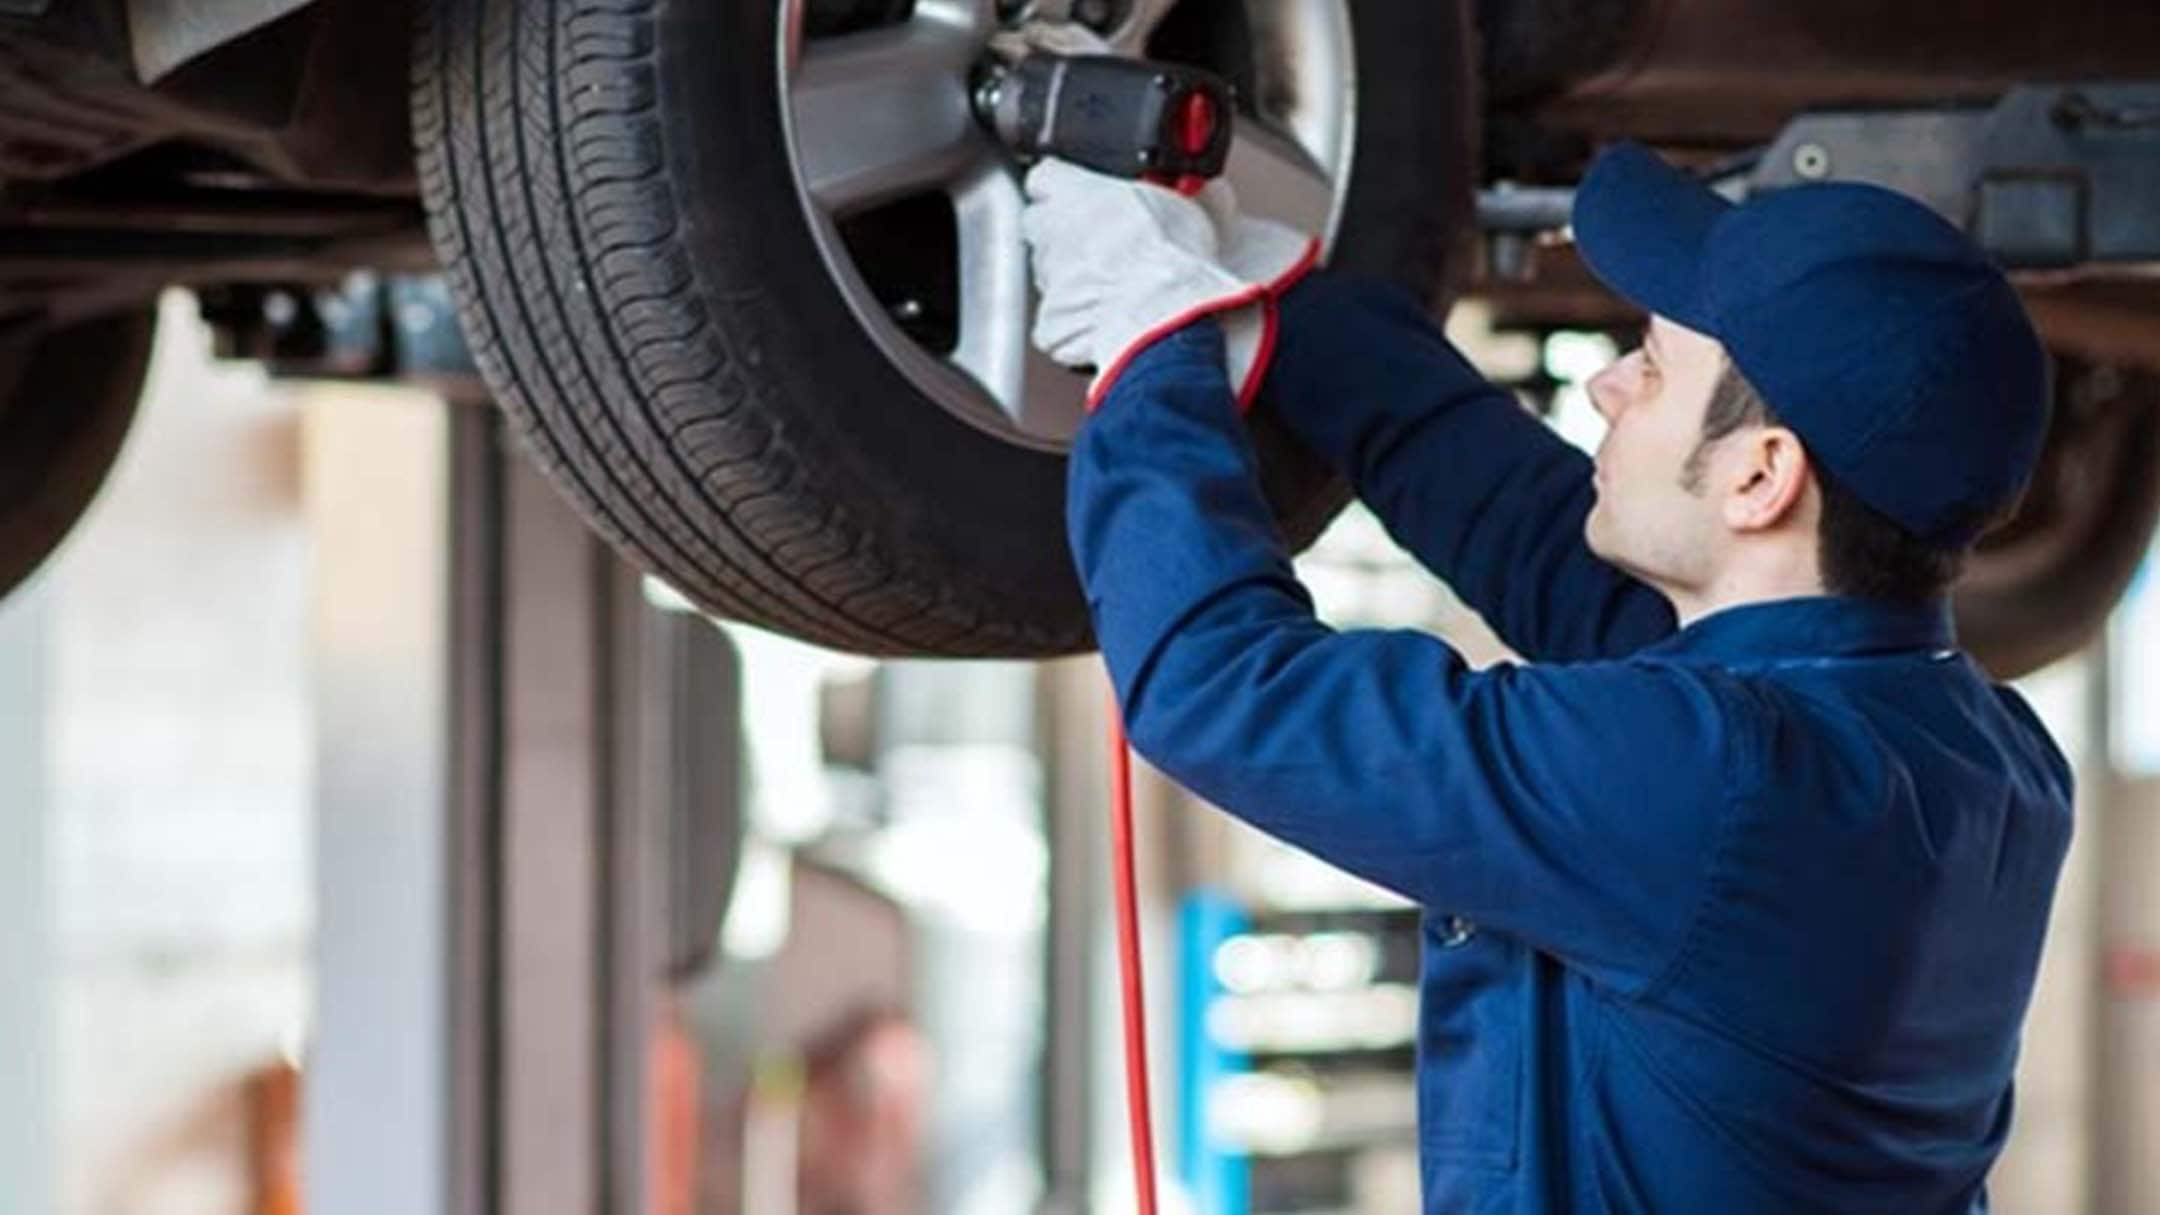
(1594, 527)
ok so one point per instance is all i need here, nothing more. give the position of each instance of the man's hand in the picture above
(1264, 254)
(1267, 254)
(1056, 37)
(1119, 264)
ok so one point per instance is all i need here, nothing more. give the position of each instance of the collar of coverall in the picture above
(1813, 626)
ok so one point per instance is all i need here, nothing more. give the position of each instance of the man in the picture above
(1734, 893)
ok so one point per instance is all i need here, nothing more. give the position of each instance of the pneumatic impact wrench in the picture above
(1161, 122)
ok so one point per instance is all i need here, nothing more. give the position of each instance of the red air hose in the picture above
(1128, 939)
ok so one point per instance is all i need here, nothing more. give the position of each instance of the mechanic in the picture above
(1733, 892)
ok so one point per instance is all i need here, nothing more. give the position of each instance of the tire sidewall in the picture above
(957, 508)
(70, 396)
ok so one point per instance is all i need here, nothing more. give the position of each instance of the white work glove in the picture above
(1119, 264)
(1057, 37)
(1265, 255)
(1261, 253)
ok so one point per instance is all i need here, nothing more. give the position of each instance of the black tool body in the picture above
(1129, 117)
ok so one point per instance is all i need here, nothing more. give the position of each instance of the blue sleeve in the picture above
(1485, 495)
(1574, 807)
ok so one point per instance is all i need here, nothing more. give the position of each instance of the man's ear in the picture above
(1769, 479)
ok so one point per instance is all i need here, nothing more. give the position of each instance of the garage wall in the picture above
(176, 762)
(26, 1027)
(2049, 1162)
(2129, 1106)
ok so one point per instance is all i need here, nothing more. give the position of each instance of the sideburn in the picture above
(1734, 403)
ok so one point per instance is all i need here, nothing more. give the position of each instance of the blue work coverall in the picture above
(1739, 917)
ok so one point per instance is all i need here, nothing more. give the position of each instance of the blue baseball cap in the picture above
(1883, 337)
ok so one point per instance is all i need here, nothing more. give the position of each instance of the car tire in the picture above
(2039, 587)
(609, 186)
(68, 392)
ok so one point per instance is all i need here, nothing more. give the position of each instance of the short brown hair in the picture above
(1863, 552)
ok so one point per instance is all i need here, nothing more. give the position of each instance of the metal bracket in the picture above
(373, 327)
(2051, 176)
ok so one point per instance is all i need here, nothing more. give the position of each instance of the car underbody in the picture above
(264, 153)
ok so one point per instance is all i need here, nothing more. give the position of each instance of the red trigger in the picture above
(1196, 123)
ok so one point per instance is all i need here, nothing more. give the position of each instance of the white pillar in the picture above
(377, 1095)
(27, 1102)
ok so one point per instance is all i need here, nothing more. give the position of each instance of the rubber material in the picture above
(1139, 1108)
(2043, 586)
(609, 190)
(67, 399)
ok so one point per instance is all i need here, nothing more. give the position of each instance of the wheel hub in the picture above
(916, 211)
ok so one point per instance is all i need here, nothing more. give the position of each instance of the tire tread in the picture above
(541, 156)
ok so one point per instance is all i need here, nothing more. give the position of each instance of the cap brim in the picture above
(1641, 226)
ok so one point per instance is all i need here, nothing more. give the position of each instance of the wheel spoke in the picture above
(885, 112)
(997, 307)
(1277, 178)
(995, 296)
(882, 114)
(1053, 399)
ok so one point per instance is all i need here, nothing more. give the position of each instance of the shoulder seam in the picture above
(1740, 782)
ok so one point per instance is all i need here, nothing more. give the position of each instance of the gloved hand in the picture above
(1119, 264)
(1057, 37)
(1262, 253)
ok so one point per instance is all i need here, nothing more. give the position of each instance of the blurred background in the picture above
(372, 840)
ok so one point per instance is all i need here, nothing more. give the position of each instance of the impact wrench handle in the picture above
(1164, 122)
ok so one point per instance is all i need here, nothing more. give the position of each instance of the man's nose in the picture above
(1607, 389)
